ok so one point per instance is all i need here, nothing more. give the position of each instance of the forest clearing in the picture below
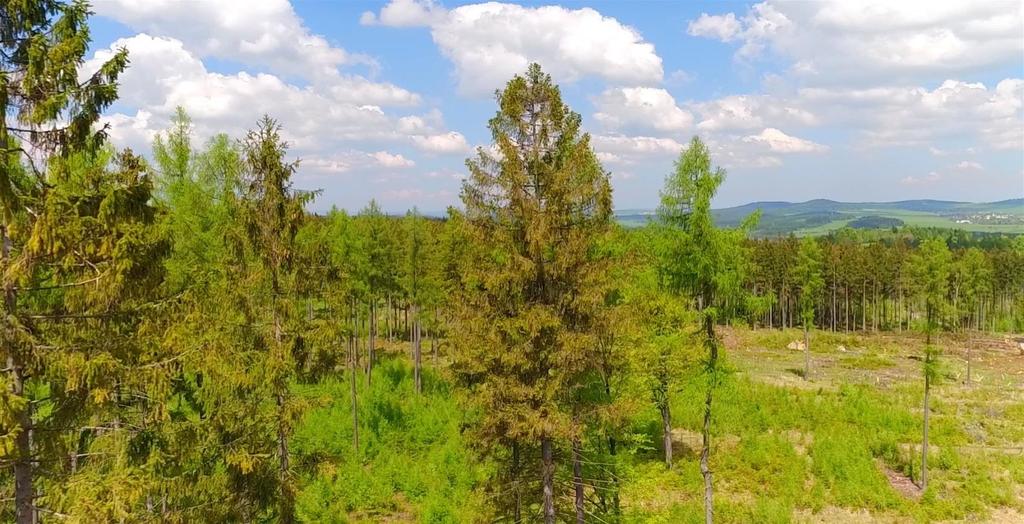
(840, 448)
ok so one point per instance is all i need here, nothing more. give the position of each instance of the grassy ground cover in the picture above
(841, 447)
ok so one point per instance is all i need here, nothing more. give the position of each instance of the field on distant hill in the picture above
(817, 217)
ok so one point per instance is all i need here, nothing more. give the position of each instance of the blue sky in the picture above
(798, 100)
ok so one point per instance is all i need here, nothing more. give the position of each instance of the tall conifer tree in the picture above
(272, 213)
(534, 212)
(46, 110)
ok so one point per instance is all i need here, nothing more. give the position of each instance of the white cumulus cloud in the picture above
(259, 33)
(385, 159)
(744, 112)
(779, 142)
(450, 142)
(969, 165)
(725, 27)
(931, 178)
(864, 41)
(641, 107)
(491, 42)
(405, 13)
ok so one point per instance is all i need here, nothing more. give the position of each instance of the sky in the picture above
(846, 100)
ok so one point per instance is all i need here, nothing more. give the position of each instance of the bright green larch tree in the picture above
(930, 272)
(705, 264)
(811, 284)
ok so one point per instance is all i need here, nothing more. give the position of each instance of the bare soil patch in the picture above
(901, 483)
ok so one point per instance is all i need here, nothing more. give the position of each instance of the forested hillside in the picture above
(184, 341)
(820, 217)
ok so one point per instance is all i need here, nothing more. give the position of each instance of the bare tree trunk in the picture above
(899, 311)
(613, 469)
(416, 349)
(864, 307)
(287, 502)
(612, 451)
(807, 354)
(782, 307)
(352, 352)
(705, 451)
(874, 305)
(433, 338)
(847, 309)
(666, 426)
(927, 392)
(372, 337)
(833, 299)
(886, 299)
(970, 343)
(356, 324)
(548, 480)
(577, 480)
(924, 444)
(24, 490)
(517, 508)
(388, 320)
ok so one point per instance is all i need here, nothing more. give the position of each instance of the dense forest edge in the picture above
(184, 341)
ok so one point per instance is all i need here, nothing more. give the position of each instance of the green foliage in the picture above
(706, 265)
(413, 446)
(845, 465)
(182, 341)
(808, 274)
(531, 286)
(86, 271)
(972, 283)
(929, 271)
(43, 45)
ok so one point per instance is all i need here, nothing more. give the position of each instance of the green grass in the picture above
(778, 449)
(412, 463)
(823, 229)
(813, 449)
(871, 362)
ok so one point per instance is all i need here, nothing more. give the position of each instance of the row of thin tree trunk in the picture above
(394, 318)
(867, 309)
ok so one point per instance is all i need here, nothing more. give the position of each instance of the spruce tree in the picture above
(272, 213)
(97, 261)
(46, 110)
(531, 285)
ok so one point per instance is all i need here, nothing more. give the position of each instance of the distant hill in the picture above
(820, 216)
